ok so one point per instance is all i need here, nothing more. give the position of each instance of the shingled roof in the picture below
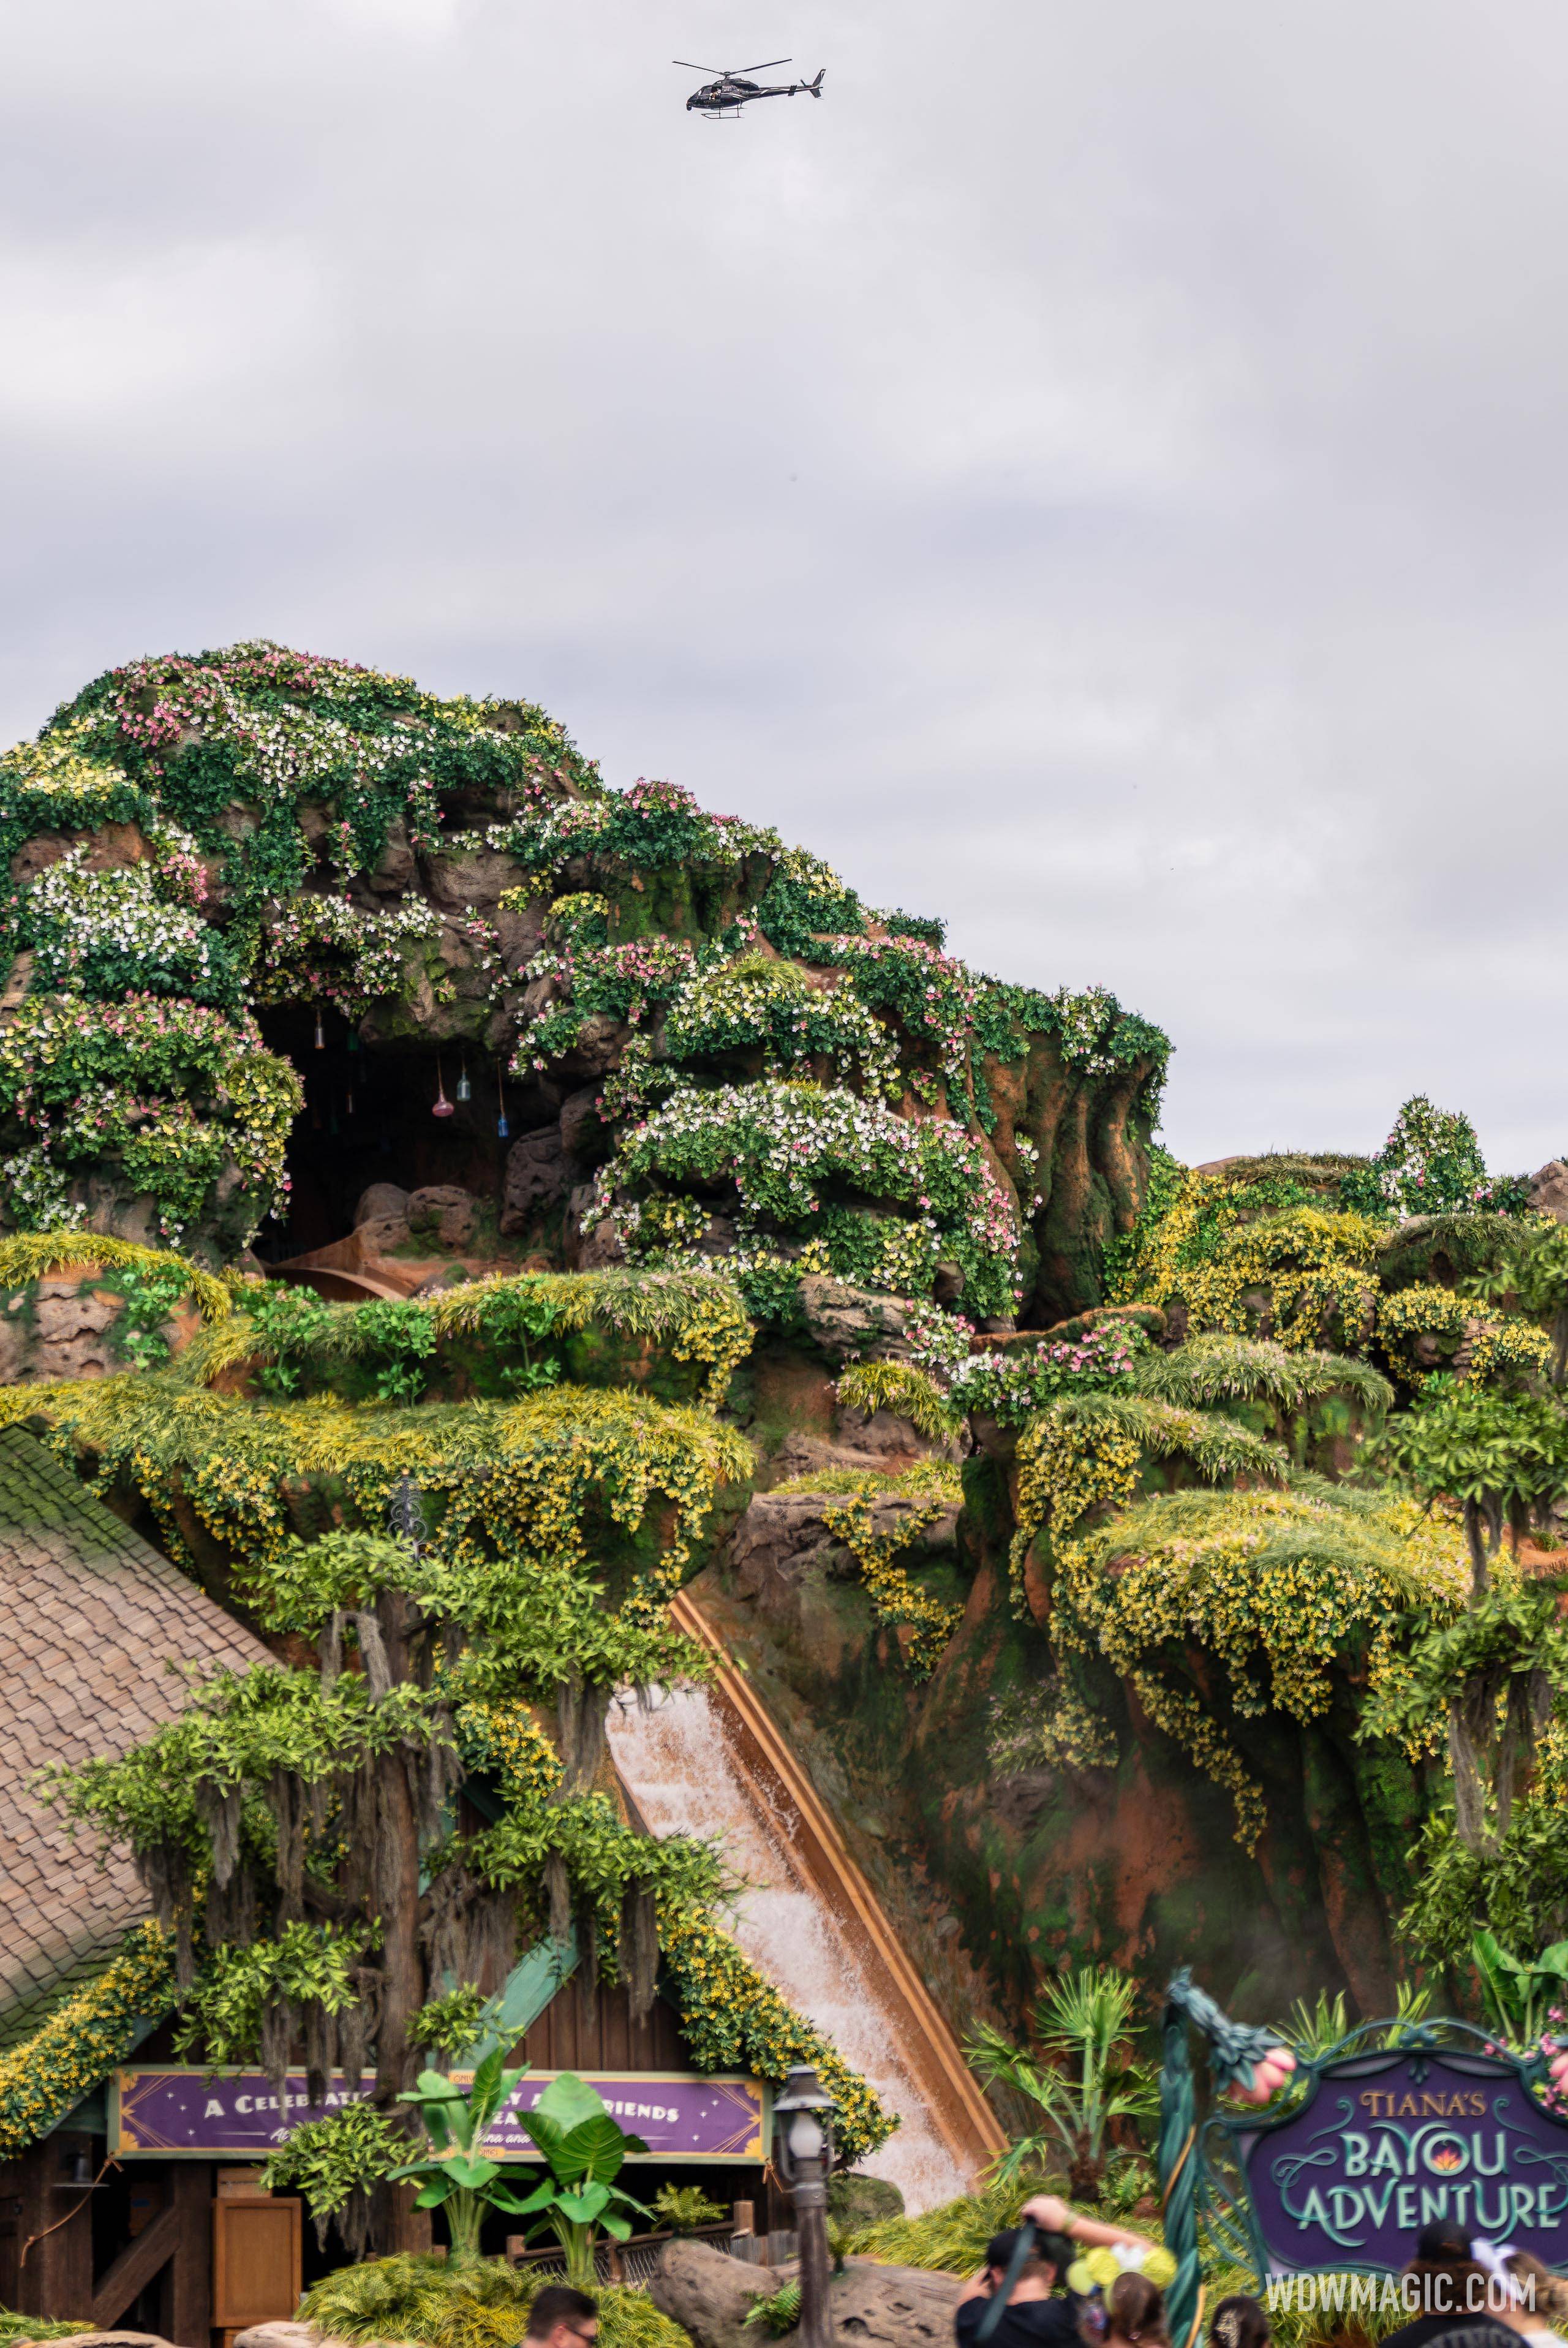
(90, 1619)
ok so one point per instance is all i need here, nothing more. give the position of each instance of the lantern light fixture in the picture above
(803, 2118)
(803, 2139)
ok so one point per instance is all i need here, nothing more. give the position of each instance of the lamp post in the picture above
(803, 2132)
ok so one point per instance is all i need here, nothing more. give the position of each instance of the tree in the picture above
(1533, 1277)
(1496, 1671)
(1091, 2077)
(297, 1831)
(1503, 1457)
(1493, 1671)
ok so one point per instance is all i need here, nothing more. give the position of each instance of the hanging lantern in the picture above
(320, 1031)
(465, 1091)
(442, 1106)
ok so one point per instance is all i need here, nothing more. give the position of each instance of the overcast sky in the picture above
(1100, 475)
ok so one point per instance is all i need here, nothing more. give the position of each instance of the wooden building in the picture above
(94, 2225)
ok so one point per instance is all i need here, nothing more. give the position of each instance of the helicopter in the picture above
(731, 91)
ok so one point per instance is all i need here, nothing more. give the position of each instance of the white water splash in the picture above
(679, 1769)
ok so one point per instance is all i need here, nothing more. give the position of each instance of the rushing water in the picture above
(674, 1758)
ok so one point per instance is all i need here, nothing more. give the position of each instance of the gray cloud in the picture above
(1100, 475)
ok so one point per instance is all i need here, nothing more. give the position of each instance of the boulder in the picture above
(382, 1201)
(856, 2200)
(16, 986)
(109, 849)
(1548, 1190)
(520, 931)
(890, 1437)
(384, 1235)
(711, 2295)
(599, 1043)
(847, 1321)
(472, 880)
(288, 2332)
(110, 2339)
(584, 1136)
(535, 1177)
(70, 1325)
(948, 1285)
(444, 1214)
(590, 1250)
(783, 1535)
(396, 867)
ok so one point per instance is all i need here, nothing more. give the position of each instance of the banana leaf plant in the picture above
(583, 2150)
(456, 2176)
(1519, 1995)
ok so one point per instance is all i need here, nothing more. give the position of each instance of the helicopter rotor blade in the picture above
(727, 73)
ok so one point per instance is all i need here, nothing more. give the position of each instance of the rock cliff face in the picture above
(616, 1005)
(311, 970)
(1014, 1861)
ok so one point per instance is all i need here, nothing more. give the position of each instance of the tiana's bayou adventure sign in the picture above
(1401, 2125)
(1387, 2143)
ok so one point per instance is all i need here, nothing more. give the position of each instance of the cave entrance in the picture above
(368, 1117)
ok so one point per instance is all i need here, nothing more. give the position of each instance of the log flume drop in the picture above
(684, 1777)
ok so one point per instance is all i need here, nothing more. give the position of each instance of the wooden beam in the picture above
(137, 2264)
(186, 2311)
(58, 2278)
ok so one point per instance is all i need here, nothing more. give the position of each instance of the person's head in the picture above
(1442, 2244)
(1137, 2312)
(1051, 2257)
(1449, 2276)
(1238, 2322)
(1550, 2290)
(560, 2317)
(1542, 2294)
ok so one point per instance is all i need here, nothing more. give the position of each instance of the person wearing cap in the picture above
(1033, 2317)
(1454, 2287)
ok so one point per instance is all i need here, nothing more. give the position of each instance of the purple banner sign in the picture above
(1383, 2147)
(226, 2114)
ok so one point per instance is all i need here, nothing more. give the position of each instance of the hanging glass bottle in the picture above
(465, 1091)
(320, 1031)
(442, 1106)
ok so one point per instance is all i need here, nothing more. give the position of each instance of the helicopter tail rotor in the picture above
(815, 87)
